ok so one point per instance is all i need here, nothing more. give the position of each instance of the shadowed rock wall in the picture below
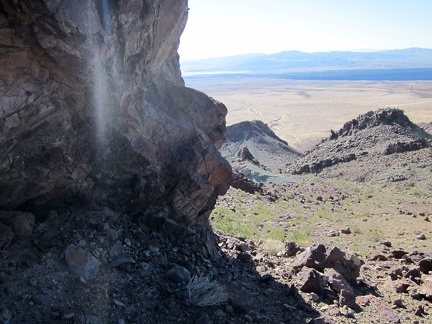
(93, 109)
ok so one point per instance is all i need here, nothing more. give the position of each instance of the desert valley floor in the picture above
(303, 112)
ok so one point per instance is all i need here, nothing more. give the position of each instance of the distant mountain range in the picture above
(402, 64)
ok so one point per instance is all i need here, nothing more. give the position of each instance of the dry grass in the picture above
(303, 112)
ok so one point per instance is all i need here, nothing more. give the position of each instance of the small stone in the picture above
(402, 287)
(42, 299)
(128, 242)
(102, 227)
(266, 278)
(333, 233)
(153, 249)
(268, 292)
(398, 303)
(248, 318)
(118, 303)
(82, 263)
(421, 237)
(314, 297)
(68, 314)
(420, 311)
(398, 254)
(386, 243)
(178, 274)
(347, 298)
(346, 230)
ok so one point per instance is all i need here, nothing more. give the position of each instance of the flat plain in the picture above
(303, 112)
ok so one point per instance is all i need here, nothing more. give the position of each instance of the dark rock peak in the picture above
(383, 132)
(246, 130)
(389, 116)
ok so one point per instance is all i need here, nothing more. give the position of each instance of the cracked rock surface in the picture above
(93, 109)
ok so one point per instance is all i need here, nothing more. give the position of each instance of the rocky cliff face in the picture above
(93, 109)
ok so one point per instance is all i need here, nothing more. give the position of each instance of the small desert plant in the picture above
(376, 234)
(271, 246)
(203, 292)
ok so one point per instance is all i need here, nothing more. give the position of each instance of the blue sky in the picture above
(219, 28)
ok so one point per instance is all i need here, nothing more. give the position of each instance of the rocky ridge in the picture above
(374, 134)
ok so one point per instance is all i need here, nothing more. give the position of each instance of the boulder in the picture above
(312, 257)
(311, 280)
(291, 249)
(348, 265)
(425, 265)
(316, 257)
(336, 281)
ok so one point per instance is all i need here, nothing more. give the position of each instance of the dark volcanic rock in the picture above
(311, 280)
(94, 109)
(291, 249)
(317, 257)
(381, 132)
(311, 258)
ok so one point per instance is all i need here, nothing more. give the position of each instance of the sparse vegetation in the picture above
(375, 210)
(204, 292)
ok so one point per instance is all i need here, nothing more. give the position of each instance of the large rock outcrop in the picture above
(93, 109)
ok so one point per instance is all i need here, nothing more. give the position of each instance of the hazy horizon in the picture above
(307, 52)
(230, 28)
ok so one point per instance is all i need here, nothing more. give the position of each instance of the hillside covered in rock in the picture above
(374, 134)
(110, 172)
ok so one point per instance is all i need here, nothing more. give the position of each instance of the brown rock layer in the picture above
(93, 109)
